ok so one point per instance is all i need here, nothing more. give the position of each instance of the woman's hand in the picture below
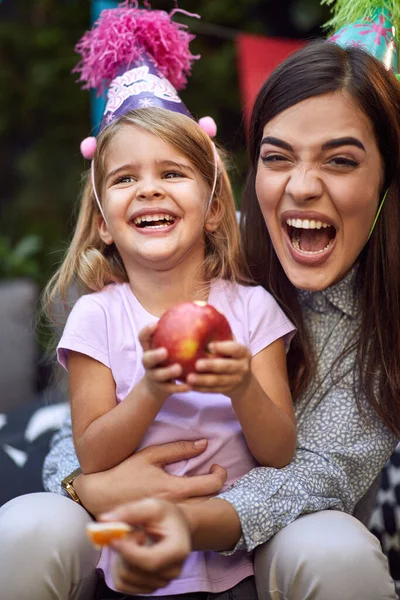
(228, 373)
(160, 380)
(164, 535)
(142, 475)
(150, 560)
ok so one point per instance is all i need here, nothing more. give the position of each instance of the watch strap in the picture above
(67, 484)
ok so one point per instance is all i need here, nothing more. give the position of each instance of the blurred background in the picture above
(44, 115)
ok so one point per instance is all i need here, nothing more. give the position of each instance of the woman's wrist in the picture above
(213, 524)
(94, 499)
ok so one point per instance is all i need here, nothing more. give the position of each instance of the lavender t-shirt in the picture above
(105, 325)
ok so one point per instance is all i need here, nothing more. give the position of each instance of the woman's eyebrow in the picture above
(331, 144)
(276, 142)
(344, 141)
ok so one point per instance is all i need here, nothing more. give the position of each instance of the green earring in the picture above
(378, 212)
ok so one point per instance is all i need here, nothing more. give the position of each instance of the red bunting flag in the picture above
(257, 58)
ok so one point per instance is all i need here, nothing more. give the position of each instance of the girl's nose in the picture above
(149, 189)
(304, 185)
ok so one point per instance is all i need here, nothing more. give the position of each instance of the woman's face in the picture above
(318, 183)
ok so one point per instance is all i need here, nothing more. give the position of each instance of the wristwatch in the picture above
(67, 484)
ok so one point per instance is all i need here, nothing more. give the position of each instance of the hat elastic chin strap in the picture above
(378, 213)
(95, 192)
(214, 185)
(209, 200)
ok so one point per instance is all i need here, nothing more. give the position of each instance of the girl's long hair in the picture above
(322, 68)
(90, 264)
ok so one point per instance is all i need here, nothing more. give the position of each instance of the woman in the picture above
(324, 144)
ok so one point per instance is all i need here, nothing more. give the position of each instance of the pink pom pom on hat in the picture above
(88, 147)
(208, 125)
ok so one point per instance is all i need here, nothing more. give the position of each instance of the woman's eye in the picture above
(274, 158)
(343, 161)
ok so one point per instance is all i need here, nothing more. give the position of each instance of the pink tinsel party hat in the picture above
(140, 55)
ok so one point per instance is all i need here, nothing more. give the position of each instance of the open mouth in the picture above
(310, 236)
(158, 221)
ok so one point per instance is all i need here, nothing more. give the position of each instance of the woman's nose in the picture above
(304, 185)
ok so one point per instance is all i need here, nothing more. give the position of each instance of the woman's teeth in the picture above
(306, 224)
(157, 221)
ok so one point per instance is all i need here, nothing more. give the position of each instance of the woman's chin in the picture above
(310, 278)
(309, 271)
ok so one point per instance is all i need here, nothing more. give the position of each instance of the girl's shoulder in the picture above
(109, 295)
(236, 292)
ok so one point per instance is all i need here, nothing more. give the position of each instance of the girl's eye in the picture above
(343, 161)
(173, 175)
(124, 179)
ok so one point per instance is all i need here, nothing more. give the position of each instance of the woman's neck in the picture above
(157, 291)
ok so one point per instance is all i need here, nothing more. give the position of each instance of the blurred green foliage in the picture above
(44, 115)
(20, 260)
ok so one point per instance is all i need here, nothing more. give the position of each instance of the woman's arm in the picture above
(340, 453)
(139, 476)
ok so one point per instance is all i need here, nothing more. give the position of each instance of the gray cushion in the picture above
(18, 348)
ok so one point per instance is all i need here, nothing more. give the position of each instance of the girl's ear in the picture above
(103, 231)
(214, 216)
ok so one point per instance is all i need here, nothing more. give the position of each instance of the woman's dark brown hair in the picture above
(322, 68)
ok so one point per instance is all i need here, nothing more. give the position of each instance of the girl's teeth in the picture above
(154, 218)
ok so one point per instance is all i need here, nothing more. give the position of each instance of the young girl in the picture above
(165, 236)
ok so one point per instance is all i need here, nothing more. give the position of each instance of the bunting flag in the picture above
(257, 57)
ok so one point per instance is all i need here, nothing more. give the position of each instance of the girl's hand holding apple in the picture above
(160, 378)
(228, 372)
(193, 341)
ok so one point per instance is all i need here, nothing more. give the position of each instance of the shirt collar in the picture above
(341, 295)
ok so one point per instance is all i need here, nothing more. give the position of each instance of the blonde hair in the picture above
(92, 264)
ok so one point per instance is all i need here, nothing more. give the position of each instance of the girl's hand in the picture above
(148, 562)
(159, 380)
(227, 374)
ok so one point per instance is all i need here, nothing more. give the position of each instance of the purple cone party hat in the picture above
(368, 24)
(140, 56)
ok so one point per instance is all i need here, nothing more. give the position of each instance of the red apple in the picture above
(186, 329)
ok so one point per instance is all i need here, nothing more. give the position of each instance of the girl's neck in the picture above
(157, 291)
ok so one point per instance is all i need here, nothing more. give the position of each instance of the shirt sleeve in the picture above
(61, 460)
(85, 332)
(339, 454)
(266, 320)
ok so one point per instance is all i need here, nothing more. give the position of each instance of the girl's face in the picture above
(318, 183)
(154, 200)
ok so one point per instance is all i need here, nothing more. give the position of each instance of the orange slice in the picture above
(102, 534)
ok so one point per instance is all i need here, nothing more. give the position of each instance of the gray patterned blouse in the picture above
(340, 451)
